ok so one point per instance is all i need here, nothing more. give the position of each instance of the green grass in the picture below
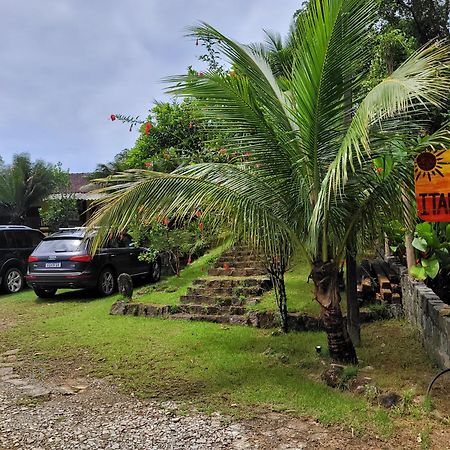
(300, 297)
(216, 367)
(211, 365)
(169, 290)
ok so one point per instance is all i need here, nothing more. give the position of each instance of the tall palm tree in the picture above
(323, 164)
(24, 184)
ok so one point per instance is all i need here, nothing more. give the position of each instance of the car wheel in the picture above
(106, 284)
(45, 292)
(155, 272)
(13, 280)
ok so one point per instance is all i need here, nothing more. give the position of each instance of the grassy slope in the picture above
(299, 291)
(169, 290)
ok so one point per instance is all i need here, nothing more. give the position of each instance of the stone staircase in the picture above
(238, 279)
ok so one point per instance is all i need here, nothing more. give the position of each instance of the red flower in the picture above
(113, 117)
(166, 221)
(200, 227)
(198, 213)
(148, 164)
(226, 267)
(190, 125)
(379, 170)
(147, 128)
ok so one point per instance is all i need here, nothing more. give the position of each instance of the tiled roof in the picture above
(77, 181)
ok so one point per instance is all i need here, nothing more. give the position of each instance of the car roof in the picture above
(78, 232)
(16, 227)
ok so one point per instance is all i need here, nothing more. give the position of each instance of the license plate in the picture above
(53, 265)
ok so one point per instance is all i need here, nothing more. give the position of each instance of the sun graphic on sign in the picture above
(429, 164)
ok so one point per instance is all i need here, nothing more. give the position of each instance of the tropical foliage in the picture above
(323, 163)
(24, 184)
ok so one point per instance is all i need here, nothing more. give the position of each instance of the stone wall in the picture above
(429, 315)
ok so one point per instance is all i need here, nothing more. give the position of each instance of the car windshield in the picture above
(49, 246)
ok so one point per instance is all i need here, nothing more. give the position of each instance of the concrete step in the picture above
(201, 317)
(215, 301)
(235, 292)
(214, 310)
(247, 272)
(240, 264)
(228, 318)
(230, 282)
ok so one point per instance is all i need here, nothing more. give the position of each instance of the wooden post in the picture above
(351, 287)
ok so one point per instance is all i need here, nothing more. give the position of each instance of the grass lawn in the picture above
(169, 290)
(234, 369)
(299, 291)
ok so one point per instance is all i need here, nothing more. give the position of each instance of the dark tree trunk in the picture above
(325, 277)
(351, 282)
(280, 295)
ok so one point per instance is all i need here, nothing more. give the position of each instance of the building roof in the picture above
(77, 181)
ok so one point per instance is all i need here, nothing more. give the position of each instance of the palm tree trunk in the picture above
(280, 295)
(325, 277)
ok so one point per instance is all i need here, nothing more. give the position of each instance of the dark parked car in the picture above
(16, 244)
(63, 260)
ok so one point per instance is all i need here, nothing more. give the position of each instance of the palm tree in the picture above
(323, 163)
(24, 185)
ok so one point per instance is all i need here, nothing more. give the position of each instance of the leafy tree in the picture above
(421, 19)
(24, 184)
(324, 162)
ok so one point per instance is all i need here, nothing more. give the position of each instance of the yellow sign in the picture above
(432, 175)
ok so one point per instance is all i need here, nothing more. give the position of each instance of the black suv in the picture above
(63, 260)
(16, 244)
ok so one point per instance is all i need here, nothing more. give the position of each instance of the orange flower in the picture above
(147, 128)
(226, 267)
(379, 170)
(198, 213)
(148, 164)
(200, 227)
(166, 221)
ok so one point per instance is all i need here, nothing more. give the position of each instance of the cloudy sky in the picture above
(66, 65)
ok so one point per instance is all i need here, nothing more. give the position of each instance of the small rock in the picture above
(388, 400)
(11, 352)
(64, 390)
(333, 375)
(6, 371)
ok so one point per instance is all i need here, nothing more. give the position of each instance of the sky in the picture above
(67, 65)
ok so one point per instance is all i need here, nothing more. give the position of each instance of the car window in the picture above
(13, 239)
(50, 246)
(124, 241)
(35, 237)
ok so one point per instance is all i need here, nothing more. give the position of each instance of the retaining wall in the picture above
(429, 315)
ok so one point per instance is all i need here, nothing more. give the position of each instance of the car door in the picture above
(16, 243)
(118, 255)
